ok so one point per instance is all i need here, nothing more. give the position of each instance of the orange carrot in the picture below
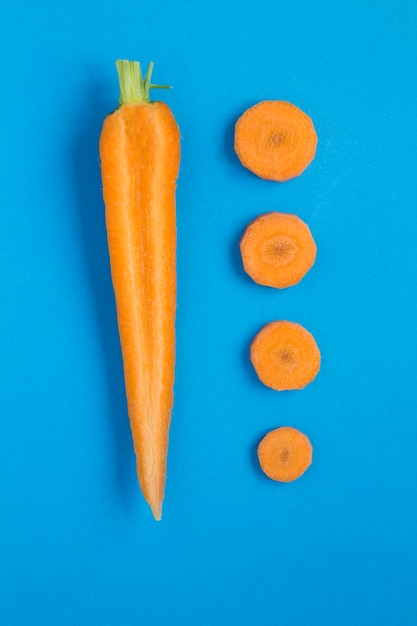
(140, 154)
(275, 140)
(285, 356)
(285, 453)
(277, 250)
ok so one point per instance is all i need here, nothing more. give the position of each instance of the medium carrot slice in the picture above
(275, 140)
(277, 250)
(285, 356)
(285, 453)
(140, 155)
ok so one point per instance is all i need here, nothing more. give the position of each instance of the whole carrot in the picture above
(140, 157)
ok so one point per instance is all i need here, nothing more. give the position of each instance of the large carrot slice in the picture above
(275, 140)
(140, 155)
(285, 453)
(277, 249)
(285, 356)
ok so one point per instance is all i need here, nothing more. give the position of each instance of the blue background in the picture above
(78, 545)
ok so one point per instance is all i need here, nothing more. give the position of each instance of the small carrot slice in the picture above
(275, 140)
(285, 356)
(285, 453)
(277, 250)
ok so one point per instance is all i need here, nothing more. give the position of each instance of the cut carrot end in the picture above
(277, 250)
(285, 454)
(285, 356)
(275, 140)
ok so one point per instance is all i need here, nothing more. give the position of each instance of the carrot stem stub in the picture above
(285, 454)
(140, 156)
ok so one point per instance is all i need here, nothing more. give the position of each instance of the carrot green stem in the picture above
(133, 86)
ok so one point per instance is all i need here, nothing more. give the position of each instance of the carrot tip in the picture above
(157, 511)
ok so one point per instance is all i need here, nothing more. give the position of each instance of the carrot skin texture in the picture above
(140, 155)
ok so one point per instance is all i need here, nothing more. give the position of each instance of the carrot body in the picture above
(140, 155)
(285, 356)
(277, 250)
(275, 140)
(285, 453)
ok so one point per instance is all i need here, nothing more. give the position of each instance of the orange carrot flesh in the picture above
(140, 156)
(277, 250)
(285, 454)
(275, 140)
(285, 356)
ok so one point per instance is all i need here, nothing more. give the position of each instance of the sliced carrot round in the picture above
(275, 140)
(277, 250)
(285, 356)
(285, 453)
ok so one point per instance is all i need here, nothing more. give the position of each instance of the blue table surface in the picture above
(78, 544)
